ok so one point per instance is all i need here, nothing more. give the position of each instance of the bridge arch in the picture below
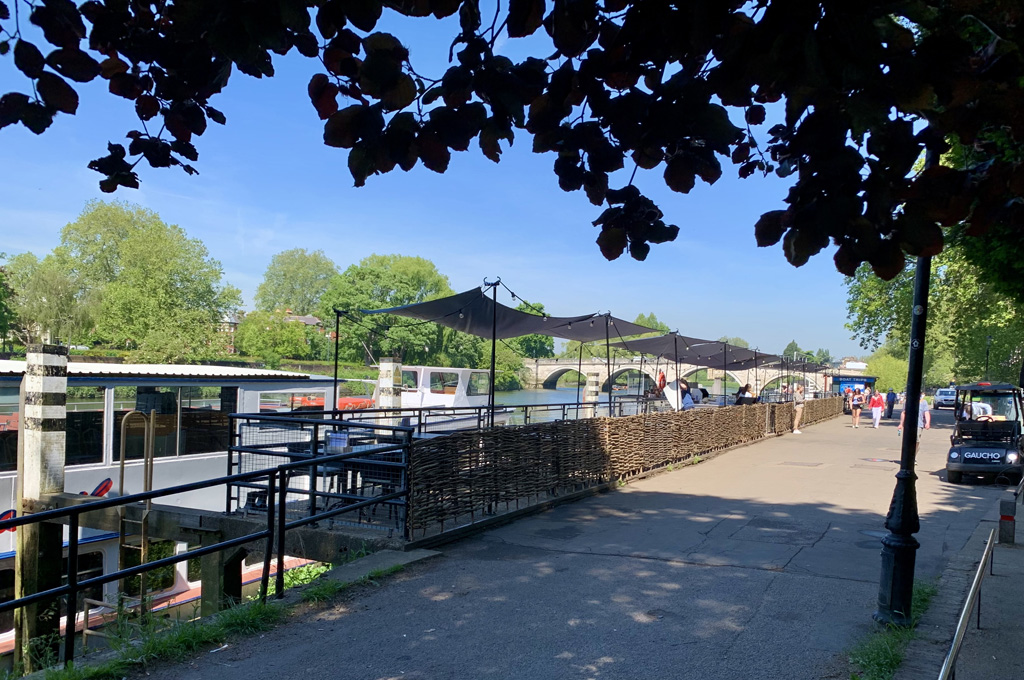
(551, 381)
(647, 373)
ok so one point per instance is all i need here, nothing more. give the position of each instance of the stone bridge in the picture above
(544, 373)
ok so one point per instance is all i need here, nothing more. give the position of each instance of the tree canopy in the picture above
(964, 311)
(613, 90)
(123, 277)
(295, 280)
(382, 281)
(269, 336)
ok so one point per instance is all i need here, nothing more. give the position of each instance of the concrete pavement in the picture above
(762, 562)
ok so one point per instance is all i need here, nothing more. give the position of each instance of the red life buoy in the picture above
(661, 380)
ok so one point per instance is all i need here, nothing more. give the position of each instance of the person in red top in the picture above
(877, 405)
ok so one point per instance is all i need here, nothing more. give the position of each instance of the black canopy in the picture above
(672, 347)
(474, 313)
(596, 327)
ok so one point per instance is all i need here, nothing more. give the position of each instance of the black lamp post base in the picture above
(895, 589)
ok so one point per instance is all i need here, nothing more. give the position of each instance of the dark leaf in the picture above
(846, 260)
(769, 228)
(185, 149)
(28, 59)
(469, 16)
(595, 184)
(363, 13)
(61, 22)
(612, 242)
(489, 143)
(747, 169)
(57, 94)
(147, 106)
(400, 95)
(4, 12)
(648, 158)
(111, 66)
(639, 250)
(340, 129)
(74, 64)
(680, 175)
(434, 154)
(524, 17)
(888, 260)
(360, 164)
(5, 47)
(444, 8)
(755, 114)
(11, 106)
(307, 45)
(215, 115)
(125, 85)
(36, 117)
(324, 95)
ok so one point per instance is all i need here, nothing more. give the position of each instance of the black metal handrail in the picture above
(948, 670)
(276, 528)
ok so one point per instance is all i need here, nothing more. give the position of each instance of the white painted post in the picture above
(389, 388)
(41, 447)
(591, 395)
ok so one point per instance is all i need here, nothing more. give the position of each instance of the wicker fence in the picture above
(465, 477)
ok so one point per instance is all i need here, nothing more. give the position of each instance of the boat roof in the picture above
(986, 387)
(80, 369)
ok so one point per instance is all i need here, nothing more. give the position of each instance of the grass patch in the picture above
(323, 591)
(880, 654)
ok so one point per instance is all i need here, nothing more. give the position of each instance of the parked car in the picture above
(986, 437)
(945, 396)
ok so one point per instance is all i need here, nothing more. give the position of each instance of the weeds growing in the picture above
(880, 654)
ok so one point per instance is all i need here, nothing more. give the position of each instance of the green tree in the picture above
(381, 281)
(50, 299)
(735, 342)
(619, 85)
(651, 321)
(792, 349)
(271, 337)
(295, 280)
(8, 313)
(891, 370)
(823, 356)
(533, 346)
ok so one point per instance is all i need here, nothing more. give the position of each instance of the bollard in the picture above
(1007, 519)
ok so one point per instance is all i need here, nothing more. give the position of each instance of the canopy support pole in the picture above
(494, 342)
(337, 334)
(608, 358)
(725, 374)
(675, 354)
(579, 369)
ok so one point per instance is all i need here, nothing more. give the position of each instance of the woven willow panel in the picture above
(457, 479)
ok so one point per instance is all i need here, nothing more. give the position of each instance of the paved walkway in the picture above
(762, 562)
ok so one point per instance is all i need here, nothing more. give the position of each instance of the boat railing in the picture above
(280, 498)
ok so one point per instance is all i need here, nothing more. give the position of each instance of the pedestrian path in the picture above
(762, 562)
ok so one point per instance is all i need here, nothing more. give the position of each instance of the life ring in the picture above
(661, 380)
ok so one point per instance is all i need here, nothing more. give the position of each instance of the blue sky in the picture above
(267, 183)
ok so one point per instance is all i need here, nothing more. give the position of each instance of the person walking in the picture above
(798, 408)
(856, 404)
(924, 419)
(877, 403)
(890, 402)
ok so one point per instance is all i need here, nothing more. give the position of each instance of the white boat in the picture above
(455, 398)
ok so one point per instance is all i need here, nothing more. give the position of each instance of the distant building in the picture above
(853, 365)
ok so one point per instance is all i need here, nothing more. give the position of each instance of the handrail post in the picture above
(271, 525)
(282, 517)
(71, 619)
(314, 445)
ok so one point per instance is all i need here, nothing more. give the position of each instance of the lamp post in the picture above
(988, 348)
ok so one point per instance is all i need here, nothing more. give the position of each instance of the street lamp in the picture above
(988, 347)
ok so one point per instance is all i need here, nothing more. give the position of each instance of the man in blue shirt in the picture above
(890, 402)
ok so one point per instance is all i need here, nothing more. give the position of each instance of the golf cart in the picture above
(986, 437)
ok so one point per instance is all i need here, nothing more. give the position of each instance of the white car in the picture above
(945, 396)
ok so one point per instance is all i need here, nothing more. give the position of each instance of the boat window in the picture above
(8, 429)
(479, 384)
(163, 400)
(158, 579)
(90, 565)
(443, 382)
(204, 418)
(84, 425)
(6, 595)
(409, 380)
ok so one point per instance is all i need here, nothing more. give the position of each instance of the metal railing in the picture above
(948, 670)
(277, 525)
